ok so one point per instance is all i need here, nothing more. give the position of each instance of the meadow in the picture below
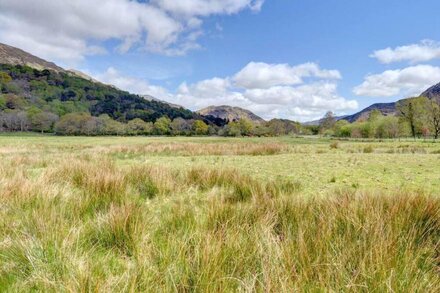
(201, 214)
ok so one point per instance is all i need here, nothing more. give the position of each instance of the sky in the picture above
(293, 59)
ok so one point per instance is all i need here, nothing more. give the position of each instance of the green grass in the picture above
(154, 214)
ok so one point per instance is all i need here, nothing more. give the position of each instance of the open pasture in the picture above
(218, 214)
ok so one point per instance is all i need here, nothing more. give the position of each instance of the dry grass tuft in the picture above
(205, 149)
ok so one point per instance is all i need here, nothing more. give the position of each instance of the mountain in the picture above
(29, 83)
(385, 108)
(432, 93)
(17, 57)
(229, 113)
(14, 56)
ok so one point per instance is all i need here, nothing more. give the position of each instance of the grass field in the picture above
(115, 214)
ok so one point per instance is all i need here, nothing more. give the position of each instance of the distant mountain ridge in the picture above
(230, 113)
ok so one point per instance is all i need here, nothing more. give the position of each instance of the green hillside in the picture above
(52, 94)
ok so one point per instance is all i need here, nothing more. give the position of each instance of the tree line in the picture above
(14, 118)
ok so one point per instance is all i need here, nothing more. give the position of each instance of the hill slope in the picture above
(384, 108)
(230, 113)
(14, 56)
(62, 93)
(29, 83)
(432, 93)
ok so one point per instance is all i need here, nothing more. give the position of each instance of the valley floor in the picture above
(218, 214)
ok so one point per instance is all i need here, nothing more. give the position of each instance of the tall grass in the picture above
(198, 149)
(80, 224)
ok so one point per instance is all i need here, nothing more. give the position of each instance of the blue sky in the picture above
(280, 58)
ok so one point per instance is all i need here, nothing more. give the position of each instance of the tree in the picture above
(246, 127)
(15, 102)
(112, 127)
(327, 122)
(73, 124)
(411, 111)
(434, 117)
(388, 127)
(14, 120)
(243, 127)
(180, 126)
(233, 128)
(276, 127)
(138, 126)
(200, 127)
(374, 116)
(92, 127)
(162, 125)
(4, 80)
(342, 128)
(44, 121)
(5, 77)
(262, 129)
(2, 102)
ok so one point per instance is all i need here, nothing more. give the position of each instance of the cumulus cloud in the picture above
(305, 102)
(191, 8)
(263, 75)
(272, 90)
(408, 81)
(424, 51)
(132, 84)
(215, 91)
(69, 30)
(296, 99)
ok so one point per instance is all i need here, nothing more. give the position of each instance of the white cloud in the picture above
(304, 102)
(66, 30)
(270, 93)
(191, 8)
(215, 91)
(132, 84)
(320, 95)
(263, 75)
(424, 51)
(408, 81)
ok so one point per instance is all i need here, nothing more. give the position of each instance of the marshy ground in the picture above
(218, 214)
